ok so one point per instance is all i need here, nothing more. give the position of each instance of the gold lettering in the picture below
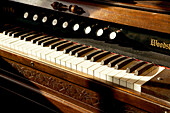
(164, 46)
(157, 43)
(152, 42)
(160, 44)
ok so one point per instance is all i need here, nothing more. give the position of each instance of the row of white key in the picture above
(79, 64)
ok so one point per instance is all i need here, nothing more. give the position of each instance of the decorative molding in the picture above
(71, 90)
(58, 85)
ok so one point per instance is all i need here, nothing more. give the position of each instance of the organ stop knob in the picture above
(35, 17)
(26, 14)
(87, 30)
(44, 19)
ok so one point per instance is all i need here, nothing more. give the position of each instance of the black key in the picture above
(123, 63)
(6, 27)
(5, 32)
(46, 43)
(143, 68)
(52, 46)
(99, 56)
(74, 51)
(18, 33)
(90, 55)
(43, 40)
(109, 58)
(63, 45)
(134, 66)
(21, 37)
(83, 51)
(115, 61)
(13, 31)
(30, 37)
(68, 49)
(38, 38)
(9, 32)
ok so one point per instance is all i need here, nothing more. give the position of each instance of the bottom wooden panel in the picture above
(62, 95)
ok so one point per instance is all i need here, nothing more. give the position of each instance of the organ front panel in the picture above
(87, 56)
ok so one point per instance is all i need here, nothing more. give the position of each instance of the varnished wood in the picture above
(134, 98)
(136, 16)
(159, 85)
(73, 91)
(125, 16)
(53, 96)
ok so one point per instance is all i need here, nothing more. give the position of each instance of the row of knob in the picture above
(94, 30)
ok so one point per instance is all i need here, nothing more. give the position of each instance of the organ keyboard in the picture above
(115, 72)
(44, 57)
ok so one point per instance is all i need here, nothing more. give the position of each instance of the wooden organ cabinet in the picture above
(110, 56)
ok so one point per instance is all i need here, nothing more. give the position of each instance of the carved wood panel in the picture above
(58, 85)
(71, 90)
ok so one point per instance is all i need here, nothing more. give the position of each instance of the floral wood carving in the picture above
(58, 85)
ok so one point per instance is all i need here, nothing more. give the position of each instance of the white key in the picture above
(110, 75)
(27, 49)
(118, 76)
(38, 53)
(16, 45)
(52, 57)
(103, 74)
(130, 82)
(124, 79)
(86, 67)
(4, 32)
(48, 56)
(144, 79)
(72, 63)
(58, 59)
(31, 50)
(4, 41)
(12, 41)
(44, 53)
(35, 50)
(92, 68)
(63, 61)
(2, 37)
(22, 47)
(84, 64)
(1, 34)
(98, 70)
